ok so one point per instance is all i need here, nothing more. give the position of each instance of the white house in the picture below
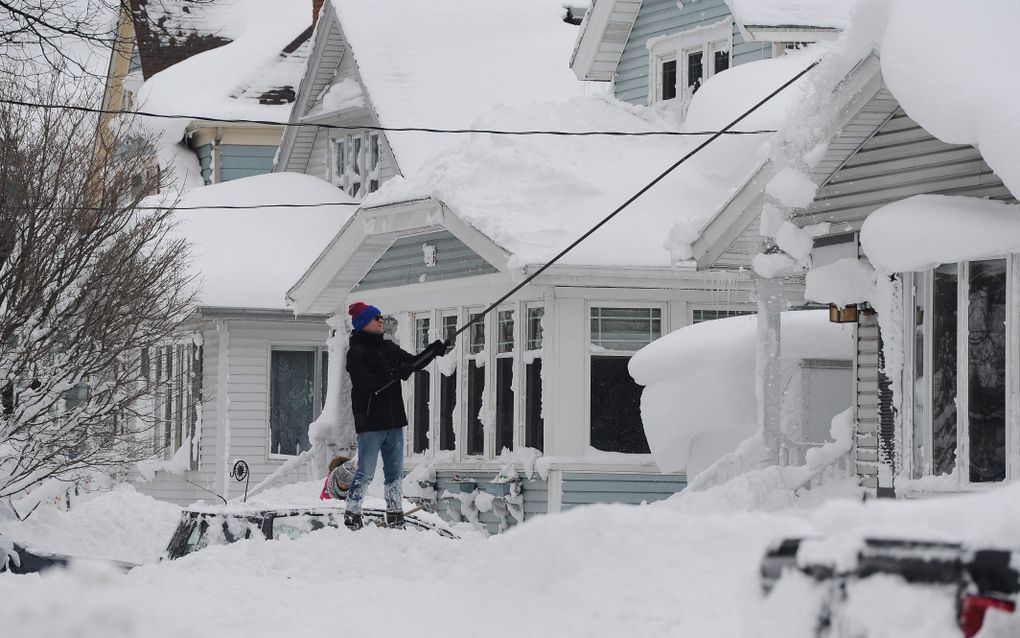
(245, 384)
(448, 224)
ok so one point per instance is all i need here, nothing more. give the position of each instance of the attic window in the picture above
(356, 163)
(680, 63)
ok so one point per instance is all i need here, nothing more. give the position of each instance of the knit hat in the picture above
(361, 313)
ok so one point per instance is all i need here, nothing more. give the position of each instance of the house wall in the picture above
(404, 262)
(243, 160)
(246, 401)
(586, 488)
(535, 491)
(664, 17)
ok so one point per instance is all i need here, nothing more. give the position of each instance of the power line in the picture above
(387, 129)
(169, 207)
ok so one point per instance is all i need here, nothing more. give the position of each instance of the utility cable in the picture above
(386, 129)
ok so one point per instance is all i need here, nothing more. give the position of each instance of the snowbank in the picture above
(249, 258)
(120, 524)
(924, 231)
(699, 397)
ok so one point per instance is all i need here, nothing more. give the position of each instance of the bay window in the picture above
(534, 425)
(504, 380)
(476, 360)
(421, 415)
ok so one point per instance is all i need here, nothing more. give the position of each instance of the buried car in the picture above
(16, 559)
(969, 581)
(203, 526)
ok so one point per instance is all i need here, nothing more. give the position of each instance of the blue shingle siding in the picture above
(243, 160)
(585, 488)
(204, 153)
(664, 17)
(536, 496)
(404, 262)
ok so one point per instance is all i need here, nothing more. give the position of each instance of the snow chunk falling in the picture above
(842, 282)
(792, 188)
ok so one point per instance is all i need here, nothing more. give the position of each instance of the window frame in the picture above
(912, 424)
(523, 385)
(418, 343)
(708, 39)
(317, 387)
(361, 169)
(664, 323)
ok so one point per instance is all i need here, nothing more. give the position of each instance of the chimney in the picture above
(316, 9)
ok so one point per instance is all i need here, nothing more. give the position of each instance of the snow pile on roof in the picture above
(927, 230)
(699, 397)
(120, 524)
(956, 99)
(210, 83)
(443, 65)
(249, 258)
(833, 14)
(534, 195)
(845, 281)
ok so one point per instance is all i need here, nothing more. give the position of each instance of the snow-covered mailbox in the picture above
(699, 402)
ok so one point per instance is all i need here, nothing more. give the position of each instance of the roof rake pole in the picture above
(630, 200)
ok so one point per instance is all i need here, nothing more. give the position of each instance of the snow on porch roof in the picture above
(793, 14)
(443, 63)
(532, 196)
(248, 258)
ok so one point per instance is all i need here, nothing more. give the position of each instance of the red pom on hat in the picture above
(355, 308)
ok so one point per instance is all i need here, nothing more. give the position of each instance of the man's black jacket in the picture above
(373, 362)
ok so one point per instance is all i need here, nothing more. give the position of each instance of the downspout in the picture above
(217, 177)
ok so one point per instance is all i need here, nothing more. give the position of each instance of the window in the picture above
(959, 344)
(616, 334)
(174, 376)
(504, 380)
(534, 426)
(679, 64)
(448, 393)
(295, 397)
(477, 356)
(420, 411)
(356, 164)
(699, 314)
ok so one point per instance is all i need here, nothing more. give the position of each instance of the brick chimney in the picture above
(316, 9)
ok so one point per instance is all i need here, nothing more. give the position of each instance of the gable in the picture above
(404, 262)
(870, 165)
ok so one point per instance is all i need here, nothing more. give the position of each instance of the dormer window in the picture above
(356, 164)
(682, 62)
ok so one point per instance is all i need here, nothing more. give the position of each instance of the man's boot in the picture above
(395, 520)
(353, 521)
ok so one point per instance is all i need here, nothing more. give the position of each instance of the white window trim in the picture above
(664, 324)
(906, 424)
(521, 396)
(320, 349)
(345, 177)
(673, 46)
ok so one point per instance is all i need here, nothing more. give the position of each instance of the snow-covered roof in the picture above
(796, 14)
(248, 258)
(443, 64)
(533, 195)
(261, 61)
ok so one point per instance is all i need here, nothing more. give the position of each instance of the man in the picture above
(376, 367)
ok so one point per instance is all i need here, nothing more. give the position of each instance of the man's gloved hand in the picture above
(437, 348)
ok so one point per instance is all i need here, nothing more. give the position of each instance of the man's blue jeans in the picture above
(370, 444)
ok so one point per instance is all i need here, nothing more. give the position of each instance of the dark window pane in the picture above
(699, 315)
(615, 407)
(447, 403)
(475, 430)
(986, 370)
(291, 393)
(504, 404)
(534, 434)
(721, 61)
(695, 72)
(421, 411)
(668, 89)
(943, 387)
(356, 159)
(477, 332)
(534, 338)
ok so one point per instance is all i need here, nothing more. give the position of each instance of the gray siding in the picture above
(743, 249)
(866, 401)
(535, 490)
(900, 159)
(245, 160)
(404, 263)
(204, 153)
(663, 17)
(585, 488)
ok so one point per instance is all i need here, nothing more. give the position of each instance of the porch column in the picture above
(768, 293)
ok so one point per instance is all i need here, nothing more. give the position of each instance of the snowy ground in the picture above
(684, 567)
